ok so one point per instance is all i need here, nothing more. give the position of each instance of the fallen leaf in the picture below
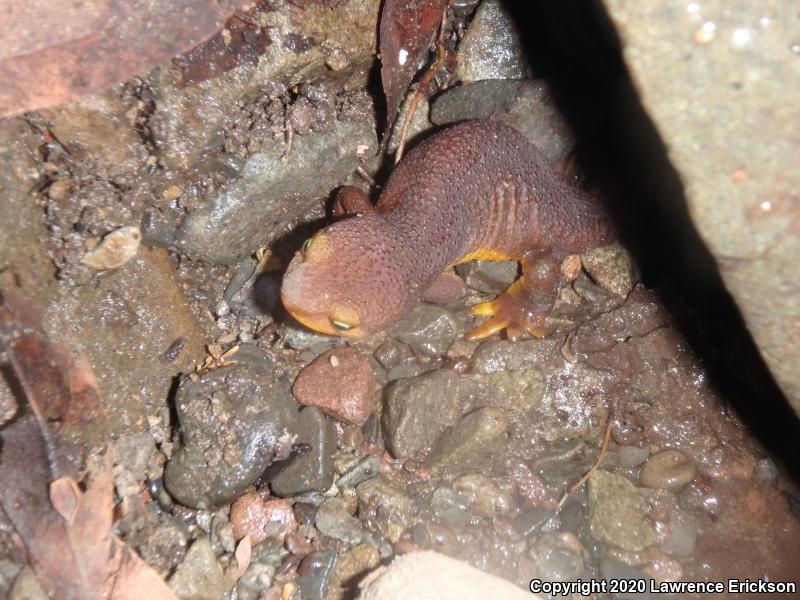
(51, 53)
(66, 531)
(406, 31)
(243, 553)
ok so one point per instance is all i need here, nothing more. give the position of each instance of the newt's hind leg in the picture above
(524, 305)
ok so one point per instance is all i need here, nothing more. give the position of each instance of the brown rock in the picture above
(299, 545)
(261, 519)
(340, 382)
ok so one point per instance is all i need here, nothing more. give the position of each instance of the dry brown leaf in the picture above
(243, 553)
(51, 53)
(67, 532)
(406, 32)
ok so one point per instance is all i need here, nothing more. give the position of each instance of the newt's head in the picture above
(345, 280)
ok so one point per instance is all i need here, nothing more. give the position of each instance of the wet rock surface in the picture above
(341, 383)
(739, 181)
(491, 47)
(231, 420)
(619, 512)
(274, 187)
(415, 439)
(312, 469)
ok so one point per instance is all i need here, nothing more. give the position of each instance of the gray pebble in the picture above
(472, 446)
(491, 47)
(199, 576)
(554, 561)
(429, 328)
(530, 522)
(334, 520)
(316, 572)
(363, 470)
(682, 535)
(230, 421)
(418, 410)
(488, 276)
(632, 456)
(313, 470)
(450, 507)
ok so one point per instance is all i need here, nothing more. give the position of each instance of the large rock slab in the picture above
(719, 79)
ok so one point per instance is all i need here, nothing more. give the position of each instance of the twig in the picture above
(595, 464)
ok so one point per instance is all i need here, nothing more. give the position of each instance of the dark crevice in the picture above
(574, 46)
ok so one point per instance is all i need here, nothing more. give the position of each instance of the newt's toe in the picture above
(506, 313)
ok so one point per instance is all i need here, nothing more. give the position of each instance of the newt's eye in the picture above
(307, 246)
(341, 325)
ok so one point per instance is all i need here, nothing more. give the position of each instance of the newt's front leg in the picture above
(524, 305)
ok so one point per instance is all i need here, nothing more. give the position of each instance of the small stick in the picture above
(361, 172)
(598, 460)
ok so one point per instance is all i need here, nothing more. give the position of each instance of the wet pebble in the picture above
(222, 535)
(394, 509)
(133, 451)
(230, 421)
(311, 471)
(334, 520)
(530, 522)
(354, 563)
(450, 507)
(692, 497)
(491, 47)
(611, 268)
(488, 277)
(315, 574)
(341, 382)
(485, 498)
(265, 558)
(530, 487)
(299, 545)
(392, 353)
(418, 410)
(682, 535)
(767, 470)
(632, 456)
(406, 370)
(554, 560)
(493, 356)
(165, 547)
(115, 249)
(613, 568)
(428, 328)
(619, 512)
(668, 470)
(232, 221)
(472, 445)
(261, 519)
(302, 338)
(199, 576)
(361, 471)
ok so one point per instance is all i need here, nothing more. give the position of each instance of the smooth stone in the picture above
(313, 470)
(669, 470)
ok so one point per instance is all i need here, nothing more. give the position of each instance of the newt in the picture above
(477, 190)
